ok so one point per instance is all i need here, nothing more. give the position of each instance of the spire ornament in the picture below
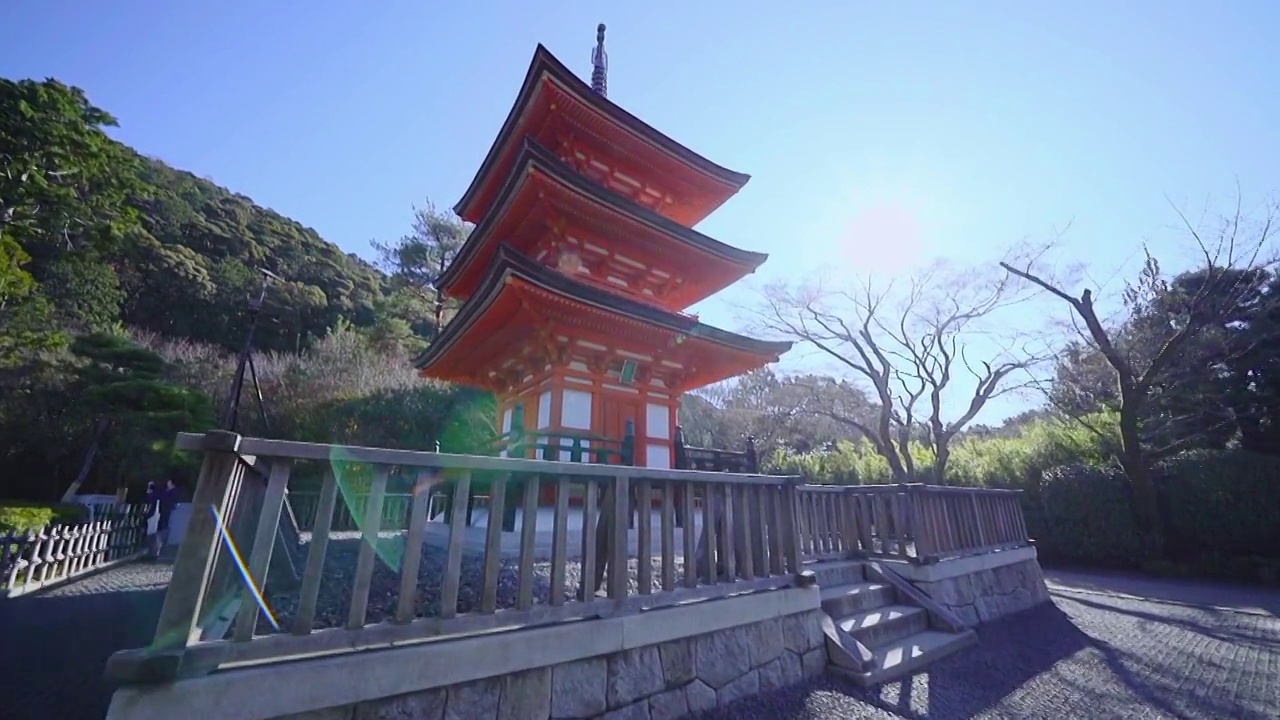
(600, 65)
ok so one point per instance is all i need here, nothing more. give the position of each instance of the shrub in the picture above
(23, 517)
(1220, 503)
(1089, 516)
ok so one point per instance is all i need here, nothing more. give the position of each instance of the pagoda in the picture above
(575, 280)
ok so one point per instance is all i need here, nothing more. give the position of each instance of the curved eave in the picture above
(545, 63)
(534, 156)
(508, 264)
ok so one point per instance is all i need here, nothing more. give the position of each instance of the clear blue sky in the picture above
(877, 133)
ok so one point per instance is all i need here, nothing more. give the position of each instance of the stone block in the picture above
(765, 641)
(792, 668)
(678, 663)
(634, 711)
(814, 662)
(793, 633)
(526, 695)
(700, 696)
(670, 704)
(634, 674)
(772, 676)
(578, 689)
(744, 686)
(967, 614)
(991, 607)
(474, 700)
(723, 657)
(427, 705)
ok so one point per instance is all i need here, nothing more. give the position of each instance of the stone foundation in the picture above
(982, 588)
(667, 680)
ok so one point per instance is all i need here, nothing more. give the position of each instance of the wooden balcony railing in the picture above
(226, 605)
(914, 522)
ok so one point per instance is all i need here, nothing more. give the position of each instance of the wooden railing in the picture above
(347, 515)
(440, 579)
(914, 522)
(57, 553)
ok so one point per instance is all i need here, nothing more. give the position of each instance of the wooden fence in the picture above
(590, 566)
(57, 553)
(913, 522)
(350, 510)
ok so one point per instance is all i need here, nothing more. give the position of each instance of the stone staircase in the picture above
(879, 627)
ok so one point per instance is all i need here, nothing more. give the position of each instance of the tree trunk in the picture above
(1134, 462)
(91, 452)
(940, 460)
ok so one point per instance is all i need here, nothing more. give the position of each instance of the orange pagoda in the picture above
(582, 261)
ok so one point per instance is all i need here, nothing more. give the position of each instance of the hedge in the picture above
(24, 517)
(1089, 517)
(1220, 503)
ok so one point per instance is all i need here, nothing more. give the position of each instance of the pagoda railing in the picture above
(918, 523)
(228, 604)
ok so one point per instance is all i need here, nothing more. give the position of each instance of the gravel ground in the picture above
(1087, 654)
(341, 556)
(54, 644)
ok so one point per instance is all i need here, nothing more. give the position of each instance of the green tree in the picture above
(124, 386)
(1167, 324)
(418, 259)
(63, 181)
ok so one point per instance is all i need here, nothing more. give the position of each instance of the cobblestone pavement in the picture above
(54, 645)
(1091, 653)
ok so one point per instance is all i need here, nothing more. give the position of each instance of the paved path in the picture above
(1181, 650)
(1109, 646)
(54, 645)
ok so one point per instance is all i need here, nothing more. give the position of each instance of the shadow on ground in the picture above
(1082, 655)
(56, 644)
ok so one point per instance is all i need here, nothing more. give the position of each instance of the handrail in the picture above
(740, 536)
(915, 522)
(291, 449)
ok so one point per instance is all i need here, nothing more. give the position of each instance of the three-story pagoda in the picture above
(581, 263)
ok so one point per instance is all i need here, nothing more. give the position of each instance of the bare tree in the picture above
(1140, 367)
(910, 342)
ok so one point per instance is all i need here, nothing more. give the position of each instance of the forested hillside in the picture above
(124, 286)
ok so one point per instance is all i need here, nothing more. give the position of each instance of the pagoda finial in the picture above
(600, 65)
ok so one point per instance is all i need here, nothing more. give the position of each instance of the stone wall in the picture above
(657, 682)
(987, 593)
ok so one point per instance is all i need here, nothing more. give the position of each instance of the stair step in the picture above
(838, 572)
(846, 600)
(908, 655)
(883, 626)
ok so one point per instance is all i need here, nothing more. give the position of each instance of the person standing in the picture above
(153, 518)
(166, 500)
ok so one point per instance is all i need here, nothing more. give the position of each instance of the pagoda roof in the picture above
(500, 299)
(533, 158)
(545, 66)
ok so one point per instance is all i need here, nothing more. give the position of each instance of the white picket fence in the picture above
(55, 554)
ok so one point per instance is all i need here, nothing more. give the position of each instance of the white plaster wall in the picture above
(506, 427)
(576, 410)
(544, 409)
(657, 420)
(657, 455)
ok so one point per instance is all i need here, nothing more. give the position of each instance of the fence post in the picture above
(920, 534)
(180, 617)
(791, 533)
